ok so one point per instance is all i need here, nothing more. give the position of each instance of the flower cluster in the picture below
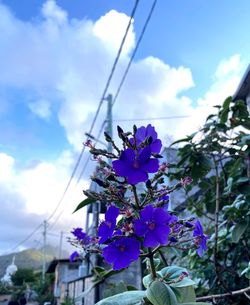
(137, 222)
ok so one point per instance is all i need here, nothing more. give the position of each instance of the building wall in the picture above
(64, 273)
(248, 102)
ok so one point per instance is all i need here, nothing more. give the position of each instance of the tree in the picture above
(23, 275)
(218, 160)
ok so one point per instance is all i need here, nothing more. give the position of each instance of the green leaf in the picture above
(224, 116)
(187, 139)
(159, 293)
(238, 230)
(147, 280)
(114, 289)
(196, 303)
(184, 283)
(243, 180)
(184, 294)
(172, 272)
(236, 167)
(85, 202)
(227, 102)
(125, 298)
(225, 110)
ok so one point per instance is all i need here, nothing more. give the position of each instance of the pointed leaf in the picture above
(238, 230)
(196, 303)
(184, 283)
(172, 272)
(125, 298)
(184, 294)
(187, 139)
(159, 293)
(85, 202)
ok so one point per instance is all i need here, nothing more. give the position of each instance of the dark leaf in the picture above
(84, 203)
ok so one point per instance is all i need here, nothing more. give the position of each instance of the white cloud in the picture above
(66, 62)
(30, 195)
(6, 166)
(111, 27)
(41, 108)
(52, 11)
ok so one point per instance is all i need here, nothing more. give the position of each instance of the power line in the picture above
(105, 92)
(114, 65)
(132, 57)
(93, 122)
(135, 50)
(27, 238)
(153, 119)
(97, 112)
(68, 184)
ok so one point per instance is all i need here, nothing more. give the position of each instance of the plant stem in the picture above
(136, 197)
(163, 257)
(217, 206)
(152, 265)
(223, 295)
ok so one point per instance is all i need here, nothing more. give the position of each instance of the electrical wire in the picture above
(114, 65)
(122, 80)
(153, 119)
(27, 238)
(82, 172)
(97, 112)
(135, 50)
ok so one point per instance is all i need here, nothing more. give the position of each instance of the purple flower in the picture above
(135, 168)
(163, 197)
(74, 256)
(81, 236)
(186, 181)
(153, 225)
(122, 252)
(106, 228)
(200, 238)
(145, 132)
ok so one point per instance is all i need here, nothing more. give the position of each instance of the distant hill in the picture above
(30, 258)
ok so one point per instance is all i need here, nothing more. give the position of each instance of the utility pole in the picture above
(44, 249)
(60, 245)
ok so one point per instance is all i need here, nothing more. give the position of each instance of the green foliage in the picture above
(23, 276)
(84, 203)
(115, 288)
(67, 301)
(218, 158)
(183, 288)
(159, 293)
(44, 290)
(4, 289)
(125, 298)
(195, 303)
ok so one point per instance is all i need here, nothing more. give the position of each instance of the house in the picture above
(243, 90)
(66, 273)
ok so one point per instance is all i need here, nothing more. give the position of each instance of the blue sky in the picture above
(55, 57)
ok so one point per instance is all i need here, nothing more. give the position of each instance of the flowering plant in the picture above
(138, 223)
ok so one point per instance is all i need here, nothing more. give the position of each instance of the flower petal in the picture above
(140, 227)
(150, 240)
(144, 155)
(147, 213)
(156, 146)
(151, 166)
(161, 234)
(137, 175)
(112, 213)
(160, 216)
